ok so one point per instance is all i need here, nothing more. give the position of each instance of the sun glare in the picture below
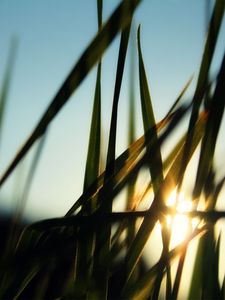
(179, 224)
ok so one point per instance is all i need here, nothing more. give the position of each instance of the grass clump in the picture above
(93, 252)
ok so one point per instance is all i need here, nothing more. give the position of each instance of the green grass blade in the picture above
(93, 158)
(156, 168)
(99, 289)
(117, 21)
(85, 243)
(131, 138)
(119, 75)
(216, 111)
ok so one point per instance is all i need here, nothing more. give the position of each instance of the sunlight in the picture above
(179, 224)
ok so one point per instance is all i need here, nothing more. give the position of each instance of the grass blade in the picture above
(85, 243)
(202, 82)
(6, 82)
(103, 235)
(156, 168)
(216, 111)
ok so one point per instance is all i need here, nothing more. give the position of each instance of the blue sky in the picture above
(51, 36)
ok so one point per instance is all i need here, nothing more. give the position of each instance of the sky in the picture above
(51, 36)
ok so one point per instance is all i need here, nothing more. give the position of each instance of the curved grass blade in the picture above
(117, 21)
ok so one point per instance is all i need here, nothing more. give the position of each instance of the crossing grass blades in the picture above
(93, 252)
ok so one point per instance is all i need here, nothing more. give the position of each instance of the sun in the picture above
(179, 225)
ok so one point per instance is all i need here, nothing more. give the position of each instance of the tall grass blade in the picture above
(143, 286)
(85, 244)
(156, 169)
(216, 111)
(131, 139)
(202, 82)
(103, 235)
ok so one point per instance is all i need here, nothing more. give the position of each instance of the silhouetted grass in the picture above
(93, 252)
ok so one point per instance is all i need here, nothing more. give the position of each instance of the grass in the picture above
(93, 252)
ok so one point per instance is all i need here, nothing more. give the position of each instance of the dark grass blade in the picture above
(85, 243)
(99, 9)
(208, 145)
(156, 168)
(216, 111)
(202, 82)
(114, 217)
(119, 75)
(203, 248)
(99, 289)
(210, 281)
(6, 82)
(117, 21)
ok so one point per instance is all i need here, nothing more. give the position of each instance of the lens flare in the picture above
(179, 224)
